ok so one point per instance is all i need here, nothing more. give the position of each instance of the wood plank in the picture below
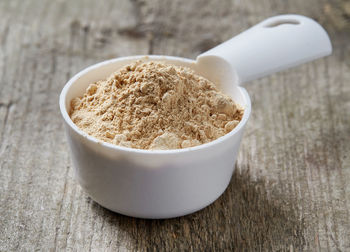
(290, 190)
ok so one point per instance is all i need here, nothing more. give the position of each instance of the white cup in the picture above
(162, 183)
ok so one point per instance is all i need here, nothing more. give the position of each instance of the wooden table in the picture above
(290, 190)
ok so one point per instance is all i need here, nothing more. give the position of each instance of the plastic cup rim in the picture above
(71, 124)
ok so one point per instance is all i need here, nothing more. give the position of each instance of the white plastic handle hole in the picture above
(282, 22)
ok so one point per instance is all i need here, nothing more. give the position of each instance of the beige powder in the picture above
(153, 105)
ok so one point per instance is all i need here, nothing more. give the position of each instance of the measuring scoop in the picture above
(170, 183)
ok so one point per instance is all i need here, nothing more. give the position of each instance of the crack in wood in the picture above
(138, 31)
(150, 43)
(7, 107)
(5, 35)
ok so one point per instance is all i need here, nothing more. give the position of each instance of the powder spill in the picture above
(153, 105)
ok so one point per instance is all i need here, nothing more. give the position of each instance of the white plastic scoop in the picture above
(170, 183)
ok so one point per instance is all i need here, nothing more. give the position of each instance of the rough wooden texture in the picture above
(290, 190)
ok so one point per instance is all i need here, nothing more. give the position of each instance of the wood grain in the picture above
(290, 190)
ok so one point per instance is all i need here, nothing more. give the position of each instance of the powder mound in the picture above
(153, 105)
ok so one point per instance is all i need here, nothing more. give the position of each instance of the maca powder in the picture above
(153, 105)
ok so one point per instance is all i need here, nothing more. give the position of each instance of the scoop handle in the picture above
(275, 44)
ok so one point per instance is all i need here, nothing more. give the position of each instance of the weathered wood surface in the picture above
(291, 187)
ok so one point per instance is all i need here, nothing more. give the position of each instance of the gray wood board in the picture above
(290, 190)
